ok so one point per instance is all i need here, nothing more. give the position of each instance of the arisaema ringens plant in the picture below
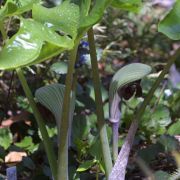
(169, 26)
(47, 33)
(125, 83)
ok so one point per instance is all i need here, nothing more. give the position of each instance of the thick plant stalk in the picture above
(119, 169)
(99, 105)
(115, 131)
(46, 140)
(63, 144)
(115, 117)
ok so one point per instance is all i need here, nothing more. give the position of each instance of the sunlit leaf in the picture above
(129, 5)
(8, 9)
(12, 8)
(5, 137)
(25, 46)
(27, 144)
(84, 6)
(63, 18)
(170, 25)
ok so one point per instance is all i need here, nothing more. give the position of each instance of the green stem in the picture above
(63, 144)
(142, 108)
(46, 140)
(3, 31)
(99, 105)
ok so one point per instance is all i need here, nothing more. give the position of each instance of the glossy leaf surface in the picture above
(46, 36)
(26, 45)
(170, 25)
(63, 18)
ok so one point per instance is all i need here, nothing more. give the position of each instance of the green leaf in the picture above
(5, 137)
(174, 129)
(159, 175)
(25, 5)
(63, 18)
(84, 6)
(170, 25)
(8, 9)
(25, 46)
(27, 144)
(170, 143)
(156, 121)
(94, 16)
(59, 67)
(129, 5)
(85, 166)
(11, 8)
(80, 128)
(149, 153)
(48, 51)
(95, 151)
(2, 153)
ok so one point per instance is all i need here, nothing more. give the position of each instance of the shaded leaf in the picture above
(150, 153)
(170, 143)
(170, 25)
(80, 128)
(159, 175)
(27, 162)
(174, 129)
(85, 165)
